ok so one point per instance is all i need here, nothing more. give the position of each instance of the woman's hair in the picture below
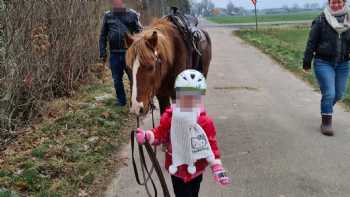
(330, 1)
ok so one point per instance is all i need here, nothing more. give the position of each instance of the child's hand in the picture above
(140, 136)
(220, 175)
(144, 136)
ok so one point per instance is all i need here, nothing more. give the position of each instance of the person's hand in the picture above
(306, 68)
(103, 59)
(306, 71)
(220, 175)
(144, 136)
(141, 136)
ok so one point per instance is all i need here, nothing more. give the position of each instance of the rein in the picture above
(152, 154)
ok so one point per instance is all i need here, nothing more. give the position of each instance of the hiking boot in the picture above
(326, 127)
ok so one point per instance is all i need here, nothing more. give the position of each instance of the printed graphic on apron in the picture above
(199, 142)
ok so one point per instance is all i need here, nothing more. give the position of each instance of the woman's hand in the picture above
(307, 71)
(306, 68)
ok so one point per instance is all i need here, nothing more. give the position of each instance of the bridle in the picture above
(152, 152)
(158, 63)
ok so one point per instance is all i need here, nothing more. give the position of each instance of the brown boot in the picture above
(326, 127)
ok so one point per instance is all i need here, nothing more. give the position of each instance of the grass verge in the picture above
(300, 16)
(71, 151)
(286, 45)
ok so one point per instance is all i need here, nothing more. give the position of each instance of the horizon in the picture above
(265, 4)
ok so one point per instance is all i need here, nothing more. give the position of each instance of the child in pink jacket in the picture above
(189, 136)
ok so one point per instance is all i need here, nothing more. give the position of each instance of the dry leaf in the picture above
(106, 115)
(83, 193)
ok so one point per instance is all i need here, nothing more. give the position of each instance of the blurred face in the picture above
(336, 5)
(188, 102)
(117, 3)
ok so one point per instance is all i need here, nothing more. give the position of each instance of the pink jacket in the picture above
(162, 136)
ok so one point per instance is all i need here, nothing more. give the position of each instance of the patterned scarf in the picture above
(331, 15)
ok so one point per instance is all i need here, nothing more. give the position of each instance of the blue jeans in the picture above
(118, 67)
(333, 80)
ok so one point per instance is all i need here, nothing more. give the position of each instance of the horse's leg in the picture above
(164, 103)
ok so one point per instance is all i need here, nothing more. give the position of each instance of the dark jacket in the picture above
(115, 25)
(326, 44)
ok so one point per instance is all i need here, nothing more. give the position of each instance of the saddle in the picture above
(191, 34)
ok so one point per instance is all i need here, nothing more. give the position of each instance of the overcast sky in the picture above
(266, 3)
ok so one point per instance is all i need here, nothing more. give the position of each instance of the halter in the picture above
(157, 57)
(158, 62)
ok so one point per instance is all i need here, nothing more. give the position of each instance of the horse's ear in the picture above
(128, 40)
(153, 40)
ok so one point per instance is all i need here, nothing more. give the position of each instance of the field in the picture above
(286, 46)
(300, 16)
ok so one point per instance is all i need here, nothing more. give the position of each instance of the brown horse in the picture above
(156, 56)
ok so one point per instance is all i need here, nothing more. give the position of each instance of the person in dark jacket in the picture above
(116, 24)
(329, 45)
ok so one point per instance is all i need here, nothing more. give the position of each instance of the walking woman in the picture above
(329, 45)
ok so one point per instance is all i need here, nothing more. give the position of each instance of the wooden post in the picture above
(256, 18)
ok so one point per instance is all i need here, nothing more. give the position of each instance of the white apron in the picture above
(188, 140)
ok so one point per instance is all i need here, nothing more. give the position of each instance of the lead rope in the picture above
(143, 165)
(147, 174)
(144, 169)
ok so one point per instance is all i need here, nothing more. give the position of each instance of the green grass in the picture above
(286, 45)
(302, 16)
(65, 155)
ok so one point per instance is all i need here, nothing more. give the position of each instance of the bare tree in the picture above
(206, 7)
(296, 6)
(150, 9)
(48, 47)
(285, 7)
(230, 7)
(307, 6)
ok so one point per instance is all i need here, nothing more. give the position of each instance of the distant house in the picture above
(275, 11)
(237, 11)
(219, 12)
(233, 13)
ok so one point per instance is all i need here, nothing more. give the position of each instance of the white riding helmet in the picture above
(191, 81)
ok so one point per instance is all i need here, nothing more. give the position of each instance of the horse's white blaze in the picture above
(135, 105)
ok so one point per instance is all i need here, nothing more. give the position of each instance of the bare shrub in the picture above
(157, 8)
(46, 48)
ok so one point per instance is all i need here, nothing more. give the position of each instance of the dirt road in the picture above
(267, 122)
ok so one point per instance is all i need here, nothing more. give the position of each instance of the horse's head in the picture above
(147, 57)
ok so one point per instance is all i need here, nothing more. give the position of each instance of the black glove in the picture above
(306, 66)
(103, 59)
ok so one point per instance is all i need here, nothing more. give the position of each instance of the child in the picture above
(190, 137)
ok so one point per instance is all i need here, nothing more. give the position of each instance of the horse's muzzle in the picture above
(137, 108)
